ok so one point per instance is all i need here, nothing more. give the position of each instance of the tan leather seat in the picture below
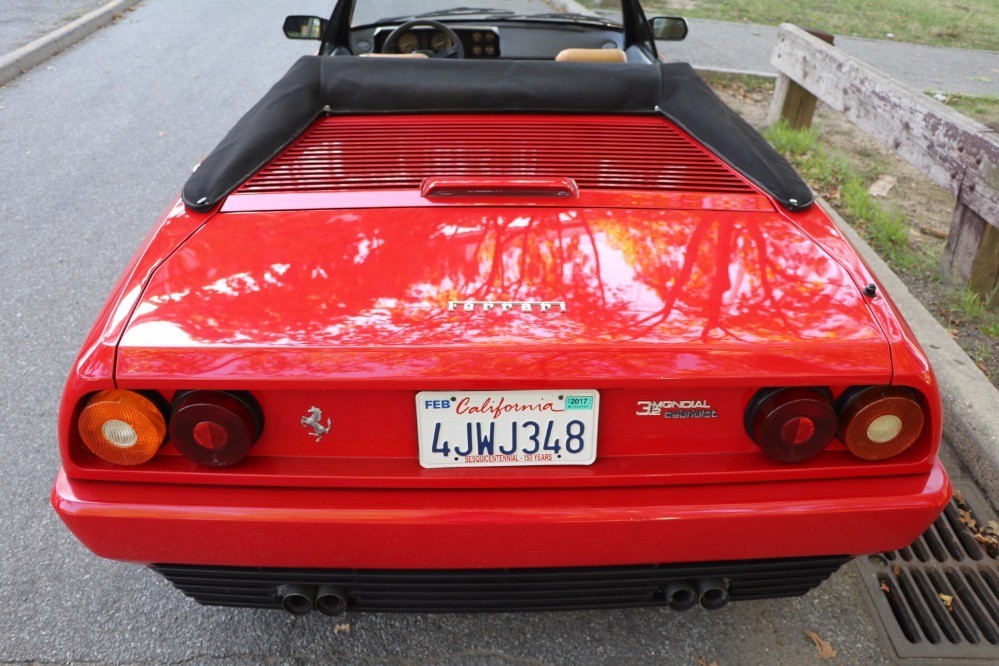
(591, 55)
(394, 55)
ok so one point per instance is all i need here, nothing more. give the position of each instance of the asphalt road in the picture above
(93, 147)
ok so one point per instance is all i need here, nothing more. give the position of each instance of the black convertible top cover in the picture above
(318, 85)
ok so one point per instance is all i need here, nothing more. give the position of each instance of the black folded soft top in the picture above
(328, 85)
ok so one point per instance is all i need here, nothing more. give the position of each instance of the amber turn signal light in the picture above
(122, 427)
(215, 428)
(791, 424)
(879, 422)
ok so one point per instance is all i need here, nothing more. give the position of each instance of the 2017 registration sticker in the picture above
(504, 428)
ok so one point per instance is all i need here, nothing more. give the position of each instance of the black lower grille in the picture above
(496, 590)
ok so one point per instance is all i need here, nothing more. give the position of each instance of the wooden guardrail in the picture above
(954, 151)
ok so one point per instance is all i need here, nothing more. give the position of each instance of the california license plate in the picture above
(501, 428)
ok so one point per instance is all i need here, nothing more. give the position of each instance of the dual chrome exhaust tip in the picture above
(710, 593)
(303, 599)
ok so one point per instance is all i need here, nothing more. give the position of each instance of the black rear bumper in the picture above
(500, 590)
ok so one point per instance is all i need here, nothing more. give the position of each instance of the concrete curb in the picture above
(14, 64)
(970, 401)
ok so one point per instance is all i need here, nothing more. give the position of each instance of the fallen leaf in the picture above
(965, 517)
(882, 186)
(888, 591)
(992, 527)
(897, 570)
(948, 601)
(826, 651)
(341, 629)
(959, 497)
(834, 194)
(986, 540)
(701, 661)
(936, 233)
(981, 366)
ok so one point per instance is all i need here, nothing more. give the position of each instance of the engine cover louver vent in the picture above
(397, 152)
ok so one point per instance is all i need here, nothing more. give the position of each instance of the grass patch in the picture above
(984, 109)
(750, 87)
(833, 177)
(795, 143)
(970, 24)
(971, 304)
(978, 309)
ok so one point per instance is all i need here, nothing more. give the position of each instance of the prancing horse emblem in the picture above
(315, 421)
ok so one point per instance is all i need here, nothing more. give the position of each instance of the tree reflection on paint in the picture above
(385, 278)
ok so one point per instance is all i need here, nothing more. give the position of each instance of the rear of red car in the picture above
(494, 362)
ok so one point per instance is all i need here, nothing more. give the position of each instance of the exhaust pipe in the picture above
(681, 595)
(331, 600)
(297, 599)
(713, 592)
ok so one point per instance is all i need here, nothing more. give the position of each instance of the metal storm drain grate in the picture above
(939, 597)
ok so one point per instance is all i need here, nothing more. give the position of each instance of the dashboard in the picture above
(477, 42)
(509, 40)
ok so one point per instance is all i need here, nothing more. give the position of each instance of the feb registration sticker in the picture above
(504, 428)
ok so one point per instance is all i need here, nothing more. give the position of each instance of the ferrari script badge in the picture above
(503, 306)
(314, 420)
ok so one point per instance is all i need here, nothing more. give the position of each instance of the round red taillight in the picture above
(879, 422)
(791, 424)
(122, 427)
(215, 428)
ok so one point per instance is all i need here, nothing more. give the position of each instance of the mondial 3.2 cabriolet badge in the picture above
(314, 420)
(676, 409)
(504, 306)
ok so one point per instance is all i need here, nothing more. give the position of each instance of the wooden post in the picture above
(792, 102)
(985, 267)
(967, 228)
(972, 253)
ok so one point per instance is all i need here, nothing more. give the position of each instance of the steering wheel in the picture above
(455, 51)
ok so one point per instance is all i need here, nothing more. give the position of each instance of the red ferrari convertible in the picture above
(490, 309)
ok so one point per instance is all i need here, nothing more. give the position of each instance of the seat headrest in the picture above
(591, 55)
